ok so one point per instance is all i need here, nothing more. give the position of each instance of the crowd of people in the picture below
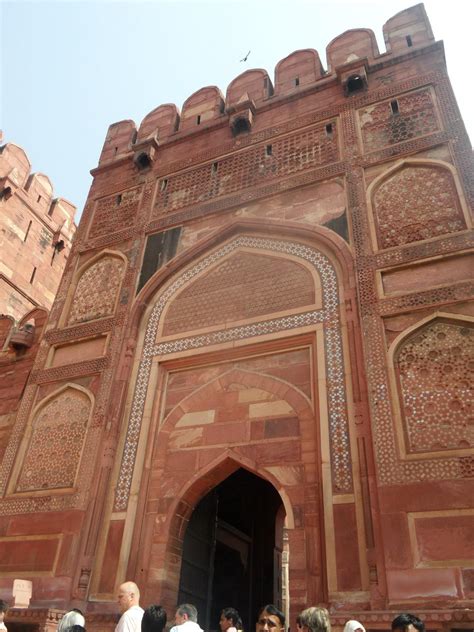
(269, 619)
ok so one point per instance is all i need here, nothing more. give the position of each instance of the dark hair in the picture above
(271, 609)
(234, 616)
(154, 619)
(76, 628)
(402, 621)
(189, 610)
(3, 606)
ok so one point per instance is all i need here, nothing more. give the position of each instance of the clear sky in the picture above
(69, 69)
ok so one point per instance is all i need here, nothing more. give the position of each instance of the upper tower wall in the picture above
(299, 71)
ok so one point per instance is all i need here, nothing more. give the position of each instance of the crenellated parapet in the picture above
(35, 188)
(349, 58)
(36, 235)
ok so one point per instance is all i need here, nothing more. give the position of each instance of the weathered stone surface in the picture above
(313, 328)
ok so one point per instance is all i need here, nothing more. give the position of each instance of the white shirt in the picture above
(131, 620)
(187, 626)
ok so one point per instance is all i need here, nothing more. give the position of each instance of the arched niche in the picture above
(250, 286)
(55, 434)
(95, 289)
(431, 374)
(415, 200)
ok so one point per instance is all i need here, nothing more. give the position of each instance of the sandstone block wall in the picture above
(36, 232)
(310, 320)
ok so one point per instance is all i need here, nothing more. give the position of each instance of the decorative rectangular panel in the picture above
(285, 156)
(415, 116)
(31, 555)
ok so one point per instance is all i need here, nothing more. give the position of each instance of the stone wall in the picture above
(311, 326)
(36, 232)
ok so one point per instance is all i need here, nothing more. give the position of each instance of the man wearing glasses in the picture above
(270, 619)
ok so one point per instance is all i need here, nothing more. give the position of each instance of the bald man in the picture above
(128, 598)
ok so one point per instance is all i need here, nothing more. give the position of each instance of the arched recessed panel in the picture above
(435, 371)
(416, 202)
(54, 449)
(244, 286)
(96, 292)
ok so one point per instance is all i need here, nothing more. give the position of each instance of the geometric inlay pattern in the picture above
(436, 374)
(416, 117)
(244, 286)
(328, 315)
(55, 446)
(250, 167)
(115, 212)
(416, 203)
(97, 289)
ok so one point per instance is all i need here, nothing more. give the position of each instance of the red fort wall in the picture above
(35, 235)
(307, 316)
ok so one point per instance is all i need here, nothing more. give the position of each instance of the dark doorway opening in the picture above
(232, 550)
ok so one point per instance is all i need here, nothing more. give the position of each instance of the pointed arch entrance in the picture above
(232, 550)
(265, 386)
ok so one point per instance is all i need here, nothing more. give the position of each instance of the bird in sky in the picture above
(246, 57)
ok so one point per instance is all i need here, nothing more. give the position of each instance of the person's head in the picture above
(70, 619)
(76, 628)
(128, 596)
(3, 609)
(186, 612)
(270, 619)
(154, 619)
(314, 620)
(230, 618)
(354, 626)
(407, 623)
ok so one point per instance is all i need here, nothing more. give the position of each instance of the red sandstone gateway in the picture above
(253, 386)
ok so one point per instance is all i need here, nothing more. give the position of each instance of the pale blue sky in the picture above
(69, 69)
